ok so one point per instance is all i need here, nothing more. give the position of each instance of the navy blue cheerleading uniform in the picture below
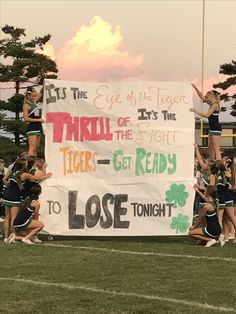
(34, 128)
(223, 193)
(231, 193)
(25, 216)
(2, 190)
(213, 228)
(13, 196)
(214, 124)
(28, 184)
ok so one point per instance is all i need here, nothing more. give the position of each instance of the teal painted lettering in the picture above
(162, 163)
(172, 160)
(155, 163)
(117, 159)
(140, 155)
(148, 163)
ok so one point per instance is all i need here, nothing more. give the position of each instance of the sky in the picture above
(131, 40)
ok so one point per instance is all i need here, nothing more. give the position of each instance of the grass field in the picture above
(118, 275)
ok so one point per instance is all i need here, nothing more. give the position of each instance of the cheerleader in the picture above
(3, 172)
(212, 98)
(212, 230)
(25, 226)
(13, 194)
(32, 115)
(228, 227)
(225, 197)
(233, 183)
(28, 184)
(208, 174)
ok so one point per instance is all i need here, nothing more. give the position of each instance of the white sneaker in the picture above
(11, 238)
(6, 240)
(26, 241)
(210, 243)
(221, 240)
(231, 236)
(35, 239)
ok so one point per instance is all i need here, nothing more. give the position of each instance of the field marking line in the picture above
(204, 306)
(93, 248)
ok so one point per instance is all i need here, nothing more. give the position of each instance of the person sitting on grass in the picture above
(212, 231)
(25, 226)
(14, 181)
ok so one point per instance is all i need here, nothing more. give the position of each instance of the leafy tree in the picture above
(23, 66)
(230, 70)
(8, 150)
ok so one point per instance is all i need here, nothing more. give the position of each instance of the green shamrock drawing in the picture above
(180, 223)
(177, 195)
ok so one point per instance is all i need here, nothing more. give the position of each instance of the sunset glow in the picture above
(95, 53)
(210, 81)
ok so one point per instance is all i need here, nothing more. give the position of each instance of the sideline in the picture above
(204, 306)
(93, 248)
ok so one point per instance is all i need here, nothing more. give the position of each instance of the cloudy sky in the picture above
(131, 40)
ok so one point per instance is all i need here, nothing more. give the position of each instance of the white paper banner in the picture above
(121, 155)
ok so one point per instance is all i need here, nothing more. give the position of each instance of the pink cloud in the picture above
(94, 53)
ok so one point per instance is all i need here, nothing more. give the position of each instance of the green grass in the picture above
(100, 275)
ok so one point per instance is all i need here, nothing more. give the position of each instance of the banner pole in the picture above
(202, 60)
